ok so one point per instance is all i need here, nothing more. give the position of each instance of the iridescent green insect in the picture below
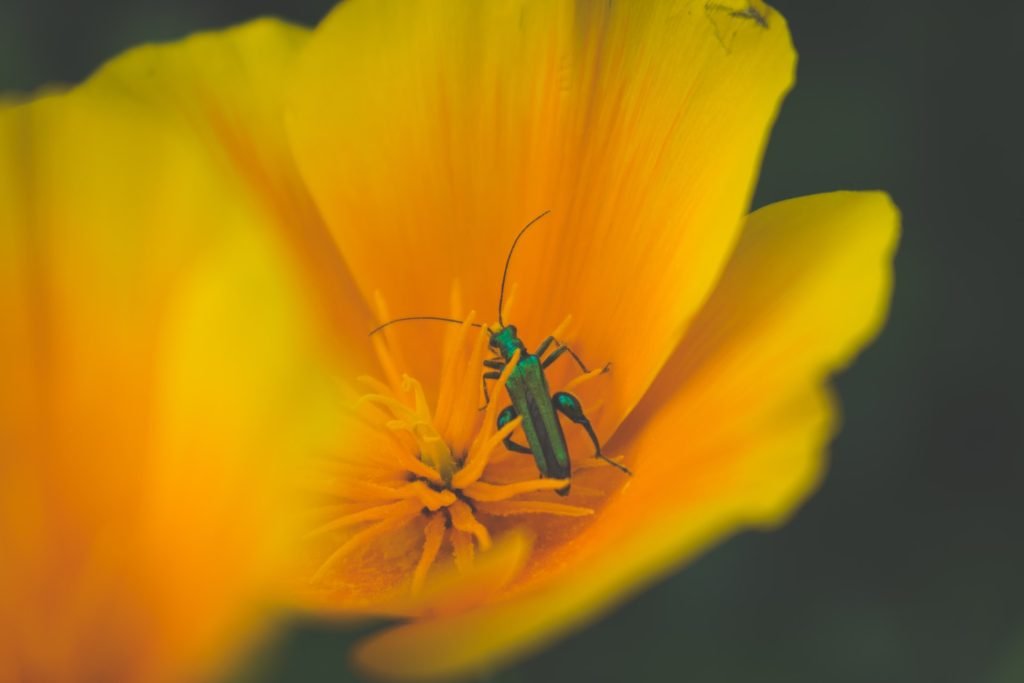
(527, 387)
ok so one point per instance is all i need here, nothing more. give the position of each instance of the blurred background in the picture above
(908, 564)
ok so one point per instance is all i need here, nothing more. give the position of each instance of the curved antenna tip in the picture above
(508, 260)
(419, 317)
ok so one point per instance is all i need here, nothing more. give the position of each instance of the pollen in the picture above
(430, 479)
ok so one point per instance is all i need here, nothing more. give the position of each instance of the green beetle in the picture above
(527, 387)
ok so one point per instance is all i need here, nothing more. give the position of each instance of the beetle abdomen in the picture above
(528, 389)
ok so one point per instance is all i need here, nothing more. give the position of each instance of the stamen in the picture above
(463, 520)
(372, 461)
(455, 299)
(433, 537)
(373, 416)
(351, 488)
(506, 310)
(396, 407)
(366, 515)
(366, 491)
(374, 384)
(387, 362)
(431, 499)
(420, 400)
(483, 491)
(485, 442)
(465, 417)
(453, 363)
(585, 377)
(532, 507)
(479, 456)
(560, 329)
(414, 465)
(363, 537)
(391, 345)
(462, 548)
(434, 451)
(491, 415)
(417, 421)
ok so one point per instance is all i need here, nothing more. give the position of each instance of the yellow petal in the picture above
(159, 377)
(807, 287)
(737, 425)
(228, 88)
(431, 132)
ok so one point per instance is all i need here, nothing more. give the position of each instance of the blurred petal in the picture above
(228, 87)
(159, 377)
(430, 133)
(738, 421)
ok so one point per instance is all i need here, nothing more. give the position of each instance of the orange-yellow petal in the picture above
(431, 132)
(807, 287)
(228, 88)
(159, 377)
(733, 434)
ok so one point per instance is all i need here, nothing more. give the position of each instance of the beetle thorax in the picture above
(506, 341)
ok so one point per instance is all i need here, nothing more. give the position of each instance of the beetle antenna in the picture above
(508, 260)
(419, 317)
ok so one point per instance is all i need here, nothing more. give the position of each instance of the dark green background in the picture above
(908, 564)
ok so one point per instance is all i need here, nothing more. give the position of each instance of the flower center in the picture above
(429, 475)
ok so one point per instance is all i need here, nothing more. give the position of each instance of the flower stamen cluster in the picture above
(434, 470)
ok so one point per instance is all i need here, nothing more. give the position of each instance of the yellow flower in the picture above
(429, 134)
(394, 153)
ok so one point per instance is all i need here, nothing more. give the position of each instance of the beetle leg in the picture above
(544, 346)
(569, 405)
(494, 363)
(504, 417)
(556, 354)
(483, 383)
